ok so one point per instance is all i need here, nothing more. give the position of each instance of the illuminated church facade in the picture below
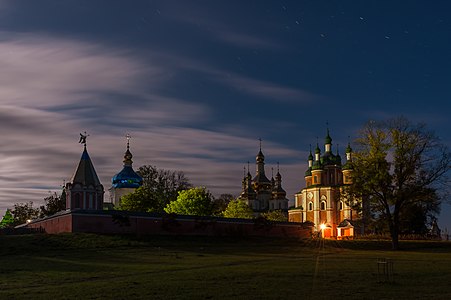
(262, 194)
(320, 202)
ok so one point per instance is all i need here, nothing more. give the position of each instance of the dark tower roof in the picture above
(260, 177)
(85, 174)
(278, 187)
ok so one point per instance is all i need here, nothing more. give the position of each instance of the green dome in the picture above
(317, 165)
(348, 149)
(317, 150)
(328, 139)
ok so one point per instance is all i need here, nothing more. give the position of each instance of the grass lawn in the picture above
(84, 266)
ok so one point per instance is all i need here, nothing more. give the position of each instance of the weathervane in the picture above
(83, 138)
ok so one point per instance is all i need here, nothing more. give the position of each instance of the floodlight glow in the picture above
(322, 226)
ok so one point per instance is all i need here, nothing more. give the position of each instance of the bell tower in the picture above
(84, 190)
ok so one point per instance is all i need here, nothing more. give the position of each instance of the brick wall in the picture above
(116, 222)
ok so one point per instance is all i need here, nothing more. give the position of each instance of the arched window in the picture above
(310, 206)
(323, 205)
(340, 205)
(280, 205)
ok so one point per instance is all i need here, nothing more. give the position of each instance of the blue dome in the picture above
(127, 178)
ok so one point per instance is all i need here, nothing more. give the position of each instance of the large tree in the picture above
(275, 215)
(23, 212)
(238, 209)
(53, 204)
(196, 201)
(160, 187)
(398, 166)
(220, 204)
(7, 220)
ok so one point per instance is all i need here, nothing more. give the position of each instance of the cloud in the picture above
(246, 85)
(61, 70)
(239, 39)
(268, 90)
(51, 89)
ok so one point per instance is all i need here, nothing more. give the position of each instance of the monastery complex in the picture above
(318, 204)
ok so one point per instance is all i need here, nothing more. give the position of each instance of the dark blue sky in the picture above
(196, 83)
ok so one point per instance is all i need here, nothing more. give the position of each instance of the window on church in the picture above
(280, 205)
(272, 205)
(91, 201)
(340, 206)
(77, 201)
(310, 206)
(315, 179)
(323, 205)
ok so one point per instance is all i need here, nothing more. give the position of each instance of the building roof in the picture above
(85, 174)
(127, 177)
(346, 224)
(328, 139)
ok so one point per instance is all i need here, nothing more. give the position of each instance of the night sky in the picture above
(197, 83)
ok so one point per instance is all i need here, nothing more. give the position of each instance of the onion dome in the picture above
(279, 184)
(248, 192)
(127, 177)
(317, 150)
(308, 172)
(278, 191)
(317, 163)
(328, 139)
(349, 149)
(310, 157)
(348, 165)
(260, 157)
(260, 177)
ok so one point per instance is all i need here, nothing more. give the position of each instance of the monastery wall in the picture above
(118, 222)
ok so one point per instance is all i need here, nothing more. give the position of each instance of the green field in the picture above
(83, 266)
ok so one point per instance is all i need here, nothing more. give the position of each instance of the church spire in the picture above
(310, 156)
(328, 141)
(85, 173)
(84, 189)
(128, 155)
(260, 176)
